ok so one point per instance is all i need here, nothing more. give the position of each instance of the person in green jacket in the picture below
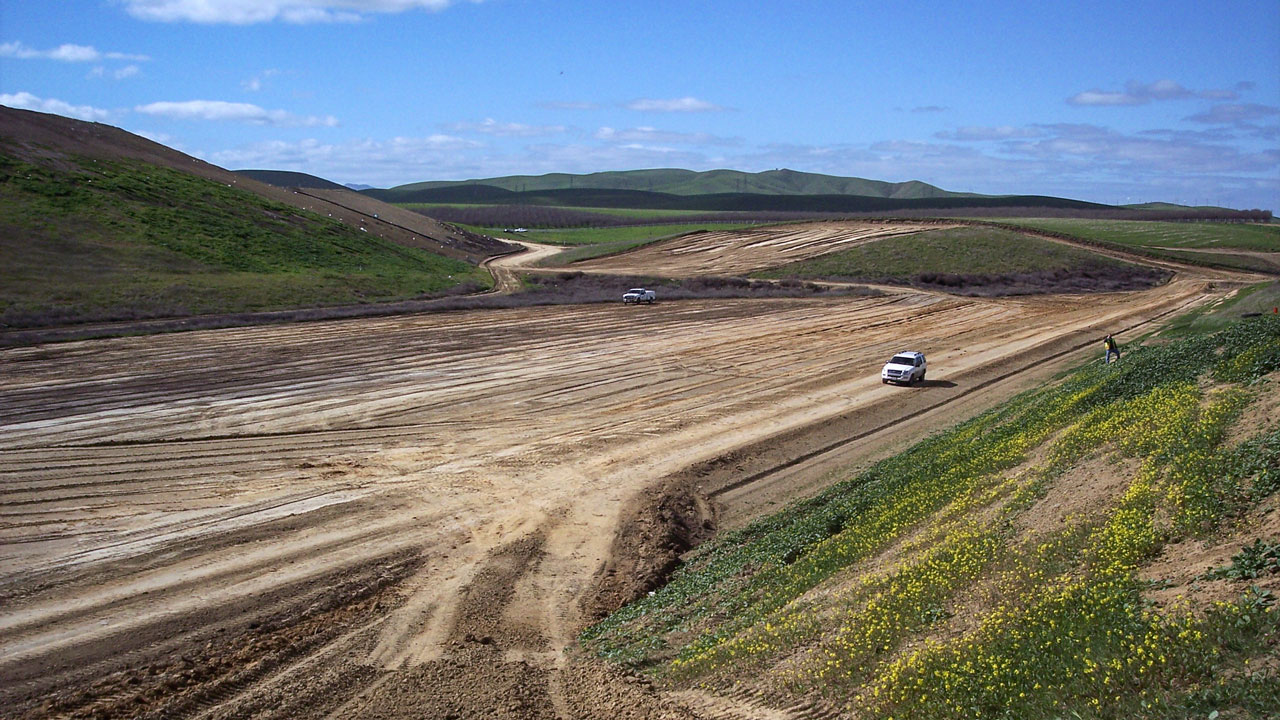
(1112, 348)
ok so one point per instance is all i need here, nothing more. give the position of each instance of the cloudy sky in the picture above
(1139, 101)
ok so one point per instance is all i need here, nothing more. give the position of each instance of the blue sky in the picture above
(1110, 102)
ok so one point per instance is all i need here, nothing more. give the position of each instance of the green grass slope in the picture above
(974, 260)
(1103, 547)
(1165, 235)
(1239, 246)
(289, 179)
(93, 239)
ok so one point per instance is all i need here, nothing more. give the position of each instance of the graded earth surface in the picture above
(413, 516)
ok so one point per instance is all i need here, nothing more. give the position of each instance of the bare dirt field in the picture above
(738, 252)
(413, 516)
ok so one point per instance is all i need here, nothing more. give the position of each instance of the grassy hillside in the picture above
(720, 202)
(285, 178)
(1103, 547)
(1167, 235)
(974, 260)
(1263, 298)
(689, 182)
(92, 239)
(54, 141)
(1239, 246)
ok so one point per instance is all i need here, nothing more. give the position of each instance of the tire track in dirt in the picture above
(738, 252)
(1022, 366)
(151, 480)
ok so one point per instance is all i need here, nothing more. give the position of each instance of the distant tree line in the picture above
(544, 217)
(1187, 215)
(549, 216)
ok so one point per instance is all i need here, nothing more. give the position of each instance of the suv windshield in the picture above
(902, 360)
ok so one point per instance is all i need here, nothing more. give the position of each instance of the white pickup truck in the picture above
(639, 295)
(904, 367)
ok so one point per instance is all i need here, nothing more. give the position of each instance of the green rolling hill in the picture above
(711, 182)
(97, 224)
(713, 202)
(289, 179)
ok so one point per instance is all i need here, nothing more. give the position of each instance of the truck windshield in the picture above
(902, 360)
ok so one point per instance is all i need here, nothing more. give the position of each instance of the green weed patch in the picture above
(97, 240)
(923, 588)
(1170, 235)
(975, 260)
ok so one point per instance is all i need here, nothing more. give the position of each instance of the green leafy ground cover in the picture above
(940, 584)
(975, 249)
(1136, 233)
(97, 240)
(971, 256)
(1262, 298)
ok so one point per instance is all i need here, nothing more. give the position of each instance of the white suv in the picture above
(639, 295)
(904, 367)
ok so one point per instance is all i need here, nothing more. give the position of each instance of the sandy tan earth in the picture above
(412, 516)
(738, 252)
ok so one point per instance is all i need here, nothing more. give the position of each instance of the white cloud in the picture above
(489, 126)
(553, 105)
(127, 71)
(1098, 97)
(643, 135)
(162, 138)
(684, 104)
(382, 163)
(1162, 90)
(1002, 132)
(1101, 151)
(1235, 114)
(27, 101)
(245, 12)
(254, 84)
(1138, 93)
(236, 112)
(65, 53)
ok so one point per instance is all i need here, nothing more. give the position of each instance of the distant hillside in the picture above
(689, 182)
(28, 132)
(745, 202)
(98, 224)
(287, 179)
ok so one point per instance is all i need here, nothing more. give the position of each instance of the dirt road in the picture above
(401, 517)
